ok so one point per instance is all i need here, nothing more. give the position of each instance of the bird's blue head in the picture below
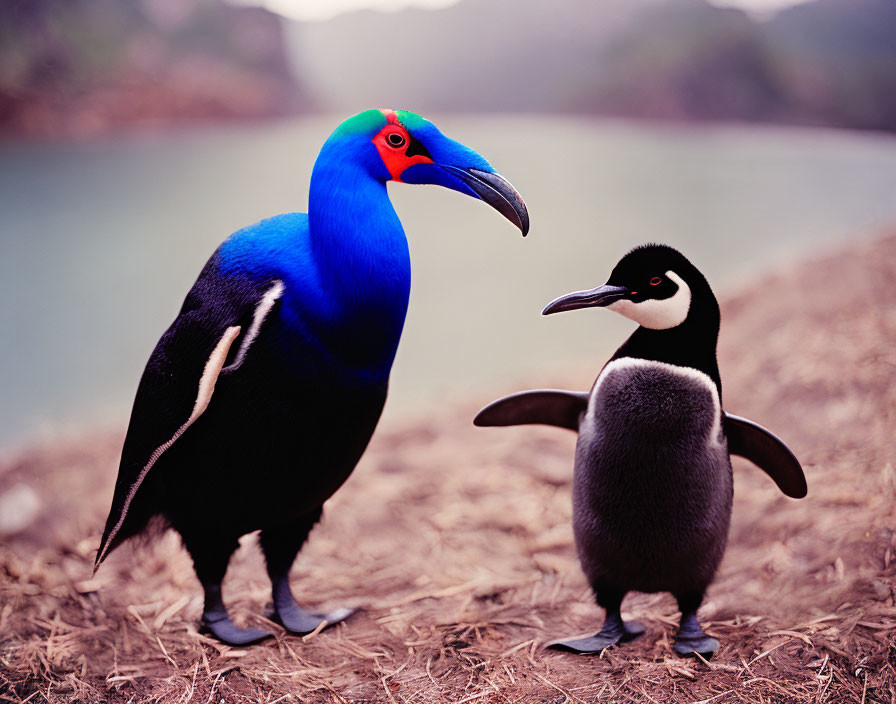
(397, 145)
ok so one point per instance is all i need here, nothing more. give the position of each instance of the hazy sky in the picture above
(324, 9)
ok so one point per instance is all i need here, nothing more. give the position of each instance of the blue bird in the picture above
(259, 400)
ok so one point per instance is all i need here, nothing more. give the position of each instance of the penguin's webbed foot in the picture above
(691, 640)
(614, 631)
(298, 621)
(226, 631)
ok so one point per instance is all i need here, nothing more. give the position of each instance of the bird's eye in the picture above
(395, 139)
(656, 281)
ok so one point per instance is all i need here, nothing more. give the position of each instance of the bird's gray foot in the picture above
(297, 620)
(691, 640)
(294, 618)
(228, 632)
(216, 621)
(280, 544)
(614, 631)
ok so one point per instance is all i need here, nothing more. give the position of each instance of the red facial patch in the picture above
(392, 142)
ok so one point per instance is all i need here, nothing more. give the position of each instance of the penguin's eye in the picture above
(395, 139)
(656, 281)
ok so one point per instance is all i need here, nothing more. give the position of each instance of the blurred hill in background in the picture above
(827, 62)
(82, 66)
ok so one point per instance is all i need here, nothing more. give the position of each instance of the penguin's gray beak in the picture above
(595, 297)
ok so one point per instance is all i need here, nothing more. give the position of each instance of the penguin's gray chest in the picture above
(653, 487)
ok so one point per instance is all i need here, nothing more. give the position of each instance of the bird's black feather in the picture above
(168, 387)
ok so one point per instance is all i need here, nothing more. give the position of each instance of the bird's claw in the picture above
(229, 633)
(300, 622)
(692, 645)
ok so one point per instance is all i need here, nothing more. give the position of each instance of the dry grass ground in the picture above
(456, 544)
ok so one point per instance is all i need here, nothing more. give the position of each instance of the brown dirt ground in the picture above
(457, 545)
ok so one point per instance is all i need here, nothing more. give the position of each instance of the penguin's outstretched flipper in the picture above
(218, 322)
(768, 452)
(541, 407)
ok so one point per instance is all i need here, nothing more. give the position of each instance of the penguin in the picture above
(652, 482)
(260, 398)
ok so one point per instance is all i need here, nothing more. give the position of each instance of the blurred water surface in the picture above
(101, 240)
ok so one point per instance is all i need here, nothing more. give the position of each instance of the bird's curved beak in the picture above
(595, 297)
(495, 190)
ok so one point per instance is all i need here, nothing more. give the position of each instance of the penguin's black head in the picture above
(654, 285)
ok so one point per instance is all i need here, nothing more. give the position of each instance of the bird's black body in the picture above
(652, 488)
(285, 420)
(272, 415)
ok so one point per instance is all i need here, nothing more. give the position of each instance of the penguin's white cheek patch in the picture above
(658, 314)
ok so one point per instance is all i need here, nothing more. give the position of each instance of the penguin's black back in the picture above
(653, 483)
